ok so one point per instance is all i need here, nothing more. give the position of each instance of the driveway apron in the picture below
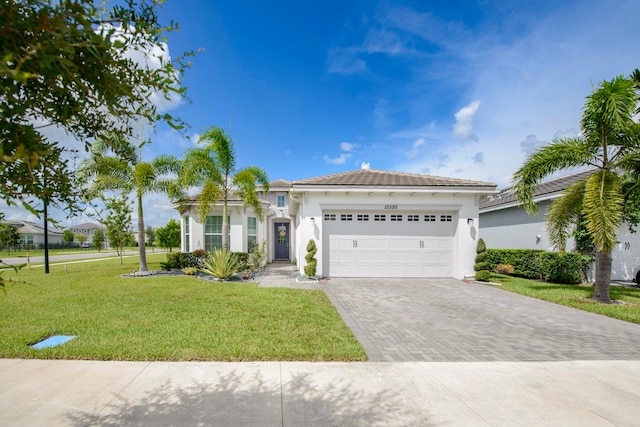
(441, 320)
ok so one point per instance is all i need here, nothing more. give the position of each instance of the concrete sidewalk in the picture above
(83, 393)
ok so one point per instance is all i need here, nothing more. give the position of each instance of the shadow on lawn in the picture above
(242, 399)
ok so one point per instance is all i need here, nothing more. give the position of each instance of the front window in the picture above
(281, 201)
(252, 231)
(213, 233)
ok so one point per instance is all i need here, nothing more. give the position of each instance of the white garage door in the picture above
(372, 244)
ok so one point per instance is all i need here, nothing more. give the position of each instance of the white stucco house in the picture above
(365, 223)
(32, 234)
(88, 229)
(504, 224)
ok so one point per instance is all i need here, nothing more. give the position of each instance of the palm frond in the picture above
(563, 213)
(602, 208)
(210, 195)
(560, 154)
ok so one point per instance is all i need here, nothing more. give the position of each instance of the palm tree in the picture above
(608, 143)
(213, 166)
(116, 164)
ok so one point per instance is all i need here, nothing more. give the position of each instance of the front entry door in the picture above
(281, 233)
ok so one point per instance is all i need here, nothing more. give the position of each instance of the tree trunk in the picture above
(225, 226)
(603, 277)
(141, 243)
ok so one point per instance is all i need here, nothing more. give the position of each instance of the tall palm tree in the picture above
(608, 143)
(116, 164)
(213, 167)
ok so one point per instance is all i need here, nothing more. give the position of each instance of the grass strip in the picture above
(627, 306)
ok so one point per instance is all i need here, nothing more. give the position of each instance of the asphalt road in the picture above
(39, 260)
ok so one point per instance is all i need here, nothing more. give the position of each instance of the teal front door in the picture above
(281, 244)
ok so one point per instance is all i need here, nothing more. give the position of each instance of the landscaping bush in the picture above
(189, 271)
(310, 268)
(538, 264)
(483, 276)
(199, 253)
(243, 259)
(482, 266)
(222, 264)
(504, 269)
(181, 260)
(258, 255)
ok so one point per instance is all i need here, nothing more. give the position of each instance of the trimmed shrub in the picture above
(504, 269)
(310, 268)
(482, 266)
(483, 276)
(540, 265)
(199, 253)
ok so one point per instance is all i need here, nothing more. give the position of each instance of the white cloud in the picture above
(340, 160)
(463, 127)
(383, 41)
(345, 61)
(531, 144)
(415, 148)
(347, 146)
(478, 158)
(365, 165)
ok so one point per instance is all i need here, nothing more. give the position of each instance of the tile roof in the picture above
(373, 177)
(547, 188)
(88, 226)
(280, 183)
(28, 227)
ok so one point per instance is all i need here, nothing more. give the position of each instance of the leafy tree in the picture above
(68, 237)
(98, 239)
(610, 143)
(81, 238)
(150, 235)
(9, 236)
(118, 223)
(213, 166)
(67, 64)
(169, 235)
(125, 170)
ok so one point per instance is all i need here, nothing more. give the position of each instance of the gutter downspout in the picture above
(295, 218)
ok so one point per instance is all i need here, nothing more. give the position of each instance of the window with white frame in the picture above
(186, 234)
(281, 201)
(213, 233)
(252, 233)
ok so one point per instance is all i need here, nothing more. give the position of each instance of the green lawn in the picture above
(167, 318)
(577, 296)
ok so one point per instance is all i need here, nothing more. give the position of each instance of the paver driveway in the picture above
(449, 320)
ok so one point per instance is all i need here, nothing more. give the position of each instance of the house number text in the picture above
(391, 206)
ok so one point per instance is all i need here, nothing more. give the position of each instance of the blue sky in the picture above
(457, 88)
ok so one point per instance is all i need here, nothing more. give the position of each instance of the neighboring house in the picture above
(32, 234)
(366, 223)
(504, 224)
(88, 229)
